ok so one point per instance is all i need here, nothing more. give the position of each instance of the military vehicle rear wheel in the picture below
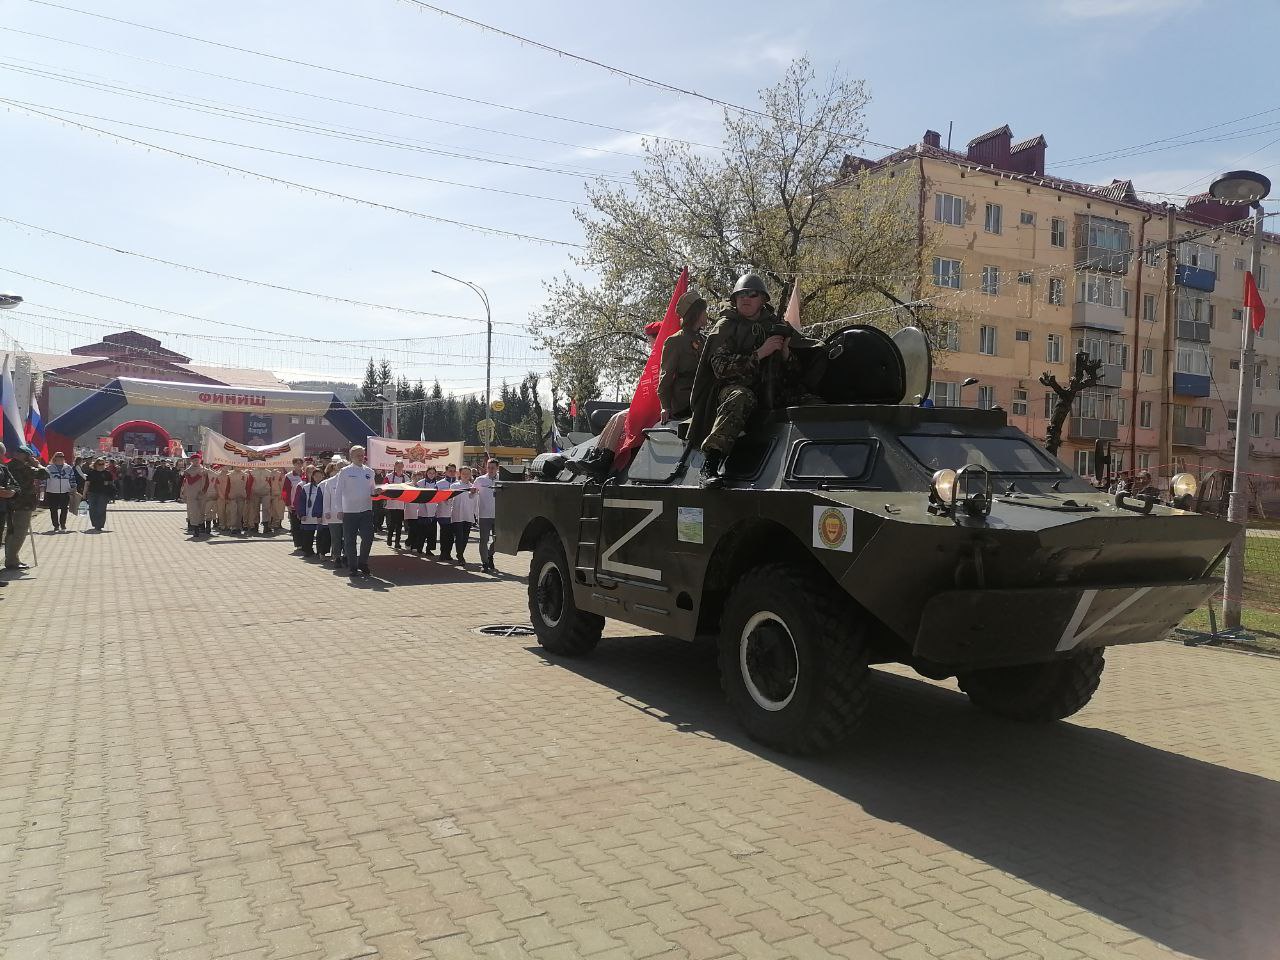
(793, 661)
(560, 626)
(1036, 692)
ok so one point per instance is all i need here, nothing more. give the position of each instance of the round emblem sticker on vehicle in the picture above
(831, 527)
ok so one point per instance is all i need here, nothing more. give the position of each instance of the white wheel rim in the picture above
(551, 567)
(745, 652)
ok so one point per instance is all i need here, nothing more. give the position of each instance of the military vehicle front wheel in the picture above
(560, 626)
(793, 661)
(1036, 692)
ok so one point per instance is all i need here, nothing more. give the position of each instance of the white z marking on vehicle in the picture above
(607, 562)
(1071, 639)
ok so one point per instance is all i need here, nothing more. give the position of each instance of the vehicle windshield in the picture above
(997, 454)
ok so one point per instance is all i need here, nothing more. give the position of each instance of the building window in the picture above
(946, 273)
(1122, 410)
(295, 420)
(1255, 424)
(1084, 462)
(1235, 363)
(1206, 418)
(1144, 413)
(1144, 461)
(1110, 235)
(1020, 405)
(1261, 278)
(986, 397)
(1196, 309)
(1053, 348)
(1257, 375)
(1148, 360)
(1022, 336)
(1096, 405)
(992, 224)
(1058, 232)
(987, 340)
(991, 281)
(1237, 316)
(1055, 291)
(1194, 360)
(949, 335)
(945, 393)
(1198, 255)
(1278, 426)
(1149, 307)
(1231, 420)
(1024, 276)
(1238, 263)
(1151, 256)
(1124, 301)
(1118, 355)
(1027, 218)
(948, 209)
(1101, 290)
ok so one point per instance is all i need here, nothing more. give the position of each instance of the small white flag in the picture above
(792, 315)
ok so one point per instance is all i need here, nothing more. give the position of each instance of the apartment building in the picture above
(1040, 267)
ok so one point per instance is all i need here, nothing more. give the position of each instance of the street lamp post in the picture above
(1241, 186)
(968, 382)
(488, 349)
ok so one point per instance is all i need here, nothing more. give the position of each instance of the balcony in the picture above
(1196, 278)
(1087, 428)
(1190, 385)
(1111, 375)
(1094, 316)
(1189, 436)
(1197, 331)
(1102, 258)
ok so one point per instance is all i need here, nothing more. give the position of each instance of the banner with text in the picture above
(223, 451)
(414, 454)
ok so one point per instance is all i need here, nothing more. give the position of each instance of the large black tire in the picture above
(1036, 692)
(793, 660)
(560, 626)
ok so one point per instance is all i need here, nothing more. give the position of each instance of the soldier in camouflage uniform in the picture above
(738, 351)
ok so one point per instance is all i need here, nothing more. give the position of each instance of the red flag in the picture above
(573, 408)
(1252, 300)
(645, 408)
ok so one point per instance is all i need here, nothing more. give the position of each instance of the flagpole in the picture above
(1238, 504)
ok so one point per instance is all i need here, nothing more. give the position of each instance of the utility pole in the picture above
(1170, 327)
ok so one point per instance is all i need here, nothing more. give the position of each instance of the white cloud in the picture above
(1102, 9)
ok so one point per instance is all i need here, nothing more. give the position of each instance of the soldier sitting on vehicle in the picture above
(680, 353)
(752, 359)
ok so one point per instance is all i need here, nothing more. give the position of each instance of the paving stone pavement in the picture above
(216, 749)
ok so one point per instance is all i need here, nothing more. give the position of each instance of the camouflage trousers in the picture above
(734, 406)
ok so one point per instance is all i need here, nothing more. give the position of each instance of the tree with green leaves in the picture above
(782, 199)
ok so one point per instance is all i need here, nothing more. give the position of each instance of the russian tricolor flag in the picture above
(13, 434)
(34, 431)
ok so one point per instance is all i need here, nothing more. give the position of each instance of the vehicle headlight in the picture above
(943, 487)
(1184, 485)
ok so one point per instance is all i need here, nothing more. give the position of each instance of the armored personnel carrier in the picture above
(866, 530)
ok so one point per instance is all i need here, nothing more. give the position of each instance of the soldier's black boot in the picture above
(711, 470)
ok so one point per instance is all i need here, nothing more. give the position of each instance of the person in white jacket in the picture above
(462, 513)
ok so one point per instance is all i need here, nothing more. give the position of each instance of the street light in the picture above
(488, 350)
(1241, 186)
(968, 382)
(9, 300)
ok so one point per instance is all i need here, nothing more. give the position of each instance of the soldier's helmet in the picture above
(750, 282)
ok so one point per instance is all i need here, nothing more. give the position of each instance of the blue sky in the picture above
(1091, 75)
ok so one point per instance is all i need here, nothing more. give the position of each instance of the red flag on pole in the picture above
(1252, 300)
(645, 408)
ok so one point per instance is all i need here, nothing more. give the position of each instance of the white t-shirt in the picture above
(326, 492)
(353, 489)
(395, 478)
(485, 498)
(463, 506)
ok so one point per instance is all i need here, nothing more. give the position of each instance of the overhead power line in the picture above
(296, 156)
(363, 76)
(305, 125)
(282, 182)
(317, 96)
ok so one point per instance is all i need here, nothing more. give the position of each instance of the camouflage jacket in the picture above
(25, 473)
(732, 345)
